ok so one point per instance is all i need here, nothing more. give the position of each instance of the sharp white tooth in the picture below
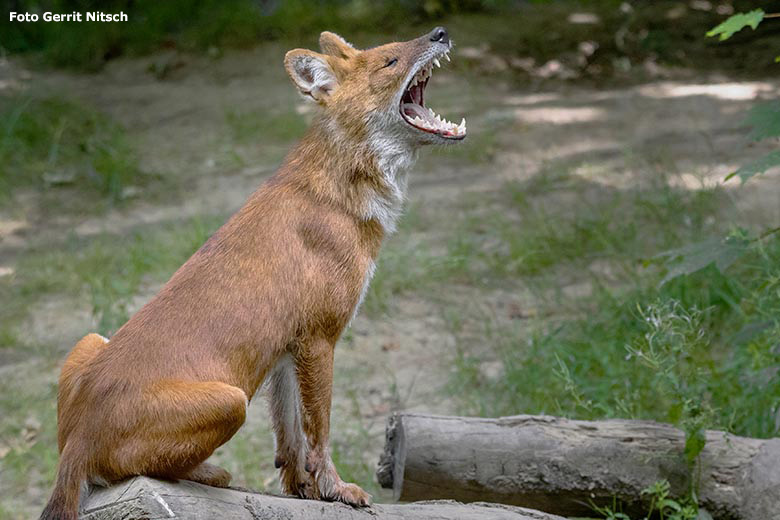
(447, 55)
(436, 62)
(431, 112)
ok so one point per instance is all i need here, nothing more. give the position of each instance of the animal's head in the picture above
(378, 90)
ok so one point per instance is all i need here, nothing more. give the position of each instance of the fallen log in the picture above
(143, 498)
(560, 465)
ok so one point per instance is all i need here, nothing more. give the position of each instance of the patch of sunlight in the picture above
(531, 99)
(584, 148)
(560, 116)
(693, 181)
(727, 91)
(9, 227)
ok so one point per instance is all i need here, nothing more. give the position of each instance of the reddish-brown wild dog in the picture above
(265, 298)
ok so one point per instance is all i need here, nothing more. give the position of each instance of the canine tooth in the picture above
(447, 55)
(436, 62)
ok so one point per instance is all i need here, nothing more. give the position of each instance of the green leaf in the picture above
(757, 167)
(694, 443)
(765, 120)
(694, 257)
(669, 504)
(736, 23)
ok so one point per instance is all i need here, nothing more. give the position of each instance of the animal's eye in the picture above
(391, 62)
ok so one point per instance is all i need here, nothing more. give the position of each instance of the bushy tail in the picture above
(64, 501)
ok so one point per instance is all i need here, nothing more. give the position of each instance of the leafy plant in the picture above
(667, 507)
(722, 252)
(764, 117)
(736, 23)
(662, 506)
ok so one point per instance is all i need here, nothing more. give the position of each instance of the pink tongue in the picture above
(414, 110)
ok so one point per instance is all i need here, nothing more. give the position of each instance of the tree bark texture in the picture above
(143, 498)
(560, 465)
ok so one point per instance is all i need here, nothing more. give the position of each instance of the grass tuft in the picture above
(53, 143)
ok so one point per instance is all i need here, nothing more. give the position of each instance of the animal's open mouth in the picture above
(414, 111)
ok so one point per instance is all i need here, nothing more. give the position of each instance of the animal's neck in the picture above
(364, 174)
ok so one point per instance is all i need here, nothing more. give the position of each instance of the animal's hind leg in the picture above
(284, 403)
(180, 425)
(78, 358)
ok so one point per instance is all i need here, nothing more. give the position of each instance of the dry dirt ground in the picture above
(399, 360)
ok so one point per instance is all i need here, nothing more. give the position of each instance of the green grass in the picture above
(698, 348)
(51, 143)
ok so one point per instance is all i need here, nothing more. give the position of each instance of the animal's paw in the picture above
(351, 494)
(328, 484)
(295, 481)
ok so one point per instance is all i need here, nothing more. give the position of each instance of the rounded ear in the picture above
(311, 73)
(335, 45)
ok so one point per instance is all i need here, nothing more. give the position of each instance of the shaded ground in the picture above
(215, 129)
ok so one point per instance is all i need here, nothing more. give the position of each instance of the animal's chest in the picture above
(338, 299)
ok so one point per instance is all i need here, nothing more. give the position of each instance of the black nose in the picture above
(440, 35)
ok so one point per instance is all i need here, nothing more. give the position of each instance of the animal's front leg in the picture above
(314, 366)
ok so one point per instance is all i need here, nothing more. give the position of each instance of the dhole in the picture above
(265, 298)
